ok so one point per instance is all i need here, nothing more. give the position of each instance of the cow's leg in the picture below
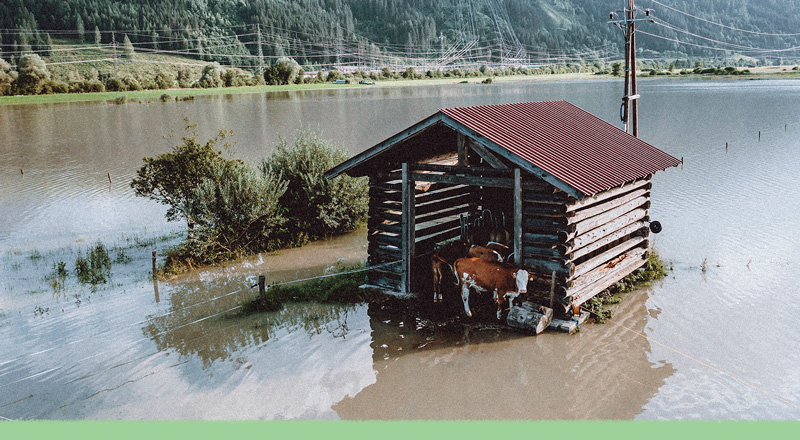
(465, 297)
(437, 279)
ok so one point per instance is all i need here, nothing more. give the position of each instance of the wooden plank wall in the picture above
(437, 208)
(384, 234)
(590, 244)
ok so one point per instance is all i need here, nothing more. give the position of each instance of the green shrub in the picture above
(53, 86)
(115, 85)
(164, 81)
(132, 83)
(212, 76)
(334, 75)
(172, 178)
(235, 211)
(284, 71)
(234, 77)
(7, 77)
(315, 206)
(86, 86)
(32, 75)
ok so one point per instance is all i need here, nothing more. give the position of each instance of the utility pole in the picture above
(629, 111)
(114, 49)
(260, 51)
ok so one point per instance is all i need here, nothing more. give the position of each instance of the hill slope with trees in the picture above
(324, 31)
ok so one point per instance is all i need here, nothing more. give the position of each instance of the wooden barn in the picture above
(567, 191)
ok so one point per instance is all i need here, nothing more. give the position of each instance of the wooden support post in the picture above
(407, 224)
(155, 266)
(487, 155)
(262, 286)
(155, 289)
(552, 288)
(517, 216)
(462, 150)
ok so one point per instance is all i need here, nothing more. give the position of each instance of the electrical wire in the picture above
(735, 46)
(723, 25)
(145, 321)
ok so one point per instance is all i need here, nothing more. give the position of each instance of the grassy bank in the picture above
(342, 286)
(133, 96)
(149, 95)
(156, 94)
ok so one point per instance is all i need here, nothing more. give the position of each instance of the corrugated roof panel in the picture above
(565, 141)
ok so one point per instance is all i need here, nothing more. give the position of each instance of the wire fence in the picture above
(172, 312)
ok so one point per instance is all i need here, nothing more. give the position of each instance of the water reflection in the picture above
(214, 329)
(484, 373)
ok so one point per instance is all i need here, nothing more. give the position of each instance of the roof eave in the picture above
(353, 162)
(513, 158)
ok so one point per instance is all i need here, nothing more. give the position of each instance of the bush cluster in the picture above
(31, 77)
(233, 208)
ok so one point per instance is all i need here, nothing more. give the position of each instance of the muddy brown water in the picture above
(712, 341)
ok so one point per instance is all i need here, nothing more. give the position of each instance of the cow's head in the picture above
(522, 281)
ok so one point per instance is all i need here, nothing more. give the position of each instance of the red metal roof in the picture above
(567, 142)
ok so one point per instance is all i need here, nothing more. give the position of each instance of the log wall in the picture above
(590, 244)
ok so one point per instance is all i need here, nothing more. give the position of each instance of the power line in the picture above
(733, 45)
(723, 25)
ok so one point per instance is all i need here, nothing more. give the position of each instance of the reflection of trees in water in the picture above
(212, 331)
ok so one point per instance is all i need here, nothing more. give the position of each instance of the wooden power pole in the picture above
(629, 111)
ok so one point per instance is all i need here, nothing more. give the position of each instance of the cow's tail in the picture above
(455, 273)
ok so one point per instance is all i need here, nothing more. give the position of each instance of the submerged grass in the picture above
(655, 269)
(342, 288)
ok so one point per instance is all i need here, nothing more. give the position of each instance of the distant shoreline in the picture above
(172, 94)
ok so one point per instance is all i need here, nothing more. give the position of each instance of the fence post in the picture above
(262, 290)
(155, 266)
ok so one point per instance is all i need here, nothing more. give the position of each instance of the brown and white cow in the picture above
(505, 252)
(444, 258)
(484, 253)
(505, 281)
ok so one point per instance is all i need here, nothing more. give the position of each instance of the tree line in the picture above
(296, 28)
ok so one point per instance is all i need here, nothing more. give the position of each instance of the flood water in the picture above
(714, 340)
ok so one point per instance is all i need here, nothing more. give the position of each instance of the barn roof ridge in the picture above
(556, 141)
